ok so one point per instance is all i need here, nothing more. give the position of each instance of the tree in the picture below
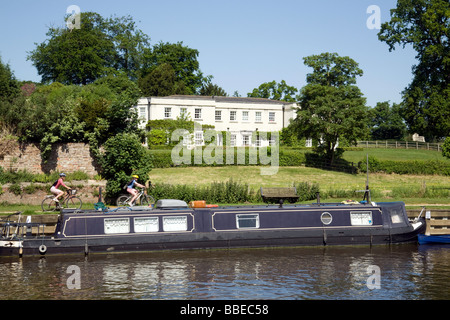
(275, 91)
(181, 58)
(77, 56)
(9, 87)
(424, 24)
(331, 106)
(385, 122)
(130, 44)
(162, 81)
(98, 48)
(210, 89)
(446, 148)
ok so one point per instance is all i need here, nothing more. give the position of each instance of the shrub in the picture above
(429, 167)
(306, 191)
(124, 155)
(15, 188)
(217, 192)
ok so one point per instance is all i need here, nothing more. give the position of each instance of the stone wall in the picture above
(65, 157)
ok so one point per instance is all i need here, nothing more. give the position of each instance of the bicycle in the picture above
(143, 198)
(70, 201)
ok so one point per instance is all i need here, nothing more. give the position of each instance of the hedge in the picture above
(240, 156)
(429, 167)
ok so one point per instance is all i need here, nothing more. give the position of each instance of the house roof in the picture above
(226, 99)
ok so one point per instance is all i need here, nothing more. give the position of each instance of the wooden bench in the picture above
(275, 195)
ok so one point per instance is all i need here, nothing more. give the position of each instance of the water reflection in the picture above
(407, 272)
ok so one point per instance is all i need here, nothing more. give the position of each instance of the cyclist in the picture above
(131, 190)
(54, 189)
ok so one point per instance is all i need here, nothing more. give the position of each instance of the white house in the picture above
(239, 117)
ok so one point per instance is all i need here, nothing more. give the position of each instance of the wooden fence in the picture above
(400, 145)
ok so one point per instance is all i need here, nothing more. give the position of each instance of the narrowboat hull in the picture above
(213, 228)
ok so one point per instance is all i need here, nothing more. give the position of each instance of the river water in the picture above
(405, 272)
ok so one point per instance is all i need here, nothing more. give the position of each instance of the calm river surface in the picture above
(405, 272)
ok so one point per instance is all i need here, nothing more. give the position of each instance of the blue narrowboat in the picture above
(172, 224)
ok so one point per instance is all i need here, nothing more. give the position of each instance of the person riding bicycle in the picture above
(131, 190)
(54, 189)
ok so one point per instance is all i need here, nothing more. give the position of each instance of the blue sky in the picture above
(242, 43)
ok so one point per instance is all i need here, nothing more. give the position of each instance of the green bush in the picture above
(217, 192)
(10, 176)
(429, 167)
(124, 156)
(15, 188)
(306, 191)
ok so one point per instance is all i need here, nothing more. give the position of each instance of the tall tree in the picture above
(161, 81)
(424, 24)
(210, 89)
(130, 44)
(331, 105)
(275, 91)
(385, 122)
(181, 58)
(98, 48)
(9, 87)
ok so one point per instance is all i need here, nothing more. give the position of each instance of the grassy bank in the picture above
(334, 186)
(415, 190)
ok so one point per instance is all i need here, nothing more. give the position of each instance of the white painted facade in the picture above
(239, 117)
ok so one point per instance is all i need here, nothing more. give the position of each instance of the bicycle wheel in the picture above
(122, 201)
(49, 205)
(147, 200)
(73, 203)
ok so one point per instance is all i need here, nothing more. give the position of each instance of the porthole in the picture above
(326, 218)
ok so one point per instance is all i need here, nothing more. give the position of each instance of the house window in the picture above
(198, 114)
(258, 141)
(167, 112)
(271, 116)
(142, 113)
(233, 140)
(258, 116)
(246, 140)
(244, 115)
(218, 115)
(183, 112)
(233, 116)
(198, 138)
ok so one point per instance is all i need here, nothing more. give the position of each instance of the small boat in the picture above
(424, 239)
(173, 224)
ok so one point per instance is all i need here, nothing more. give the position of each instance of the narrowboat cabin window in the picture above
(146, 224)
(175, 223)
(396, 217)
(117, 225)
(326, 218)
(245, 221)
(361, 218)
